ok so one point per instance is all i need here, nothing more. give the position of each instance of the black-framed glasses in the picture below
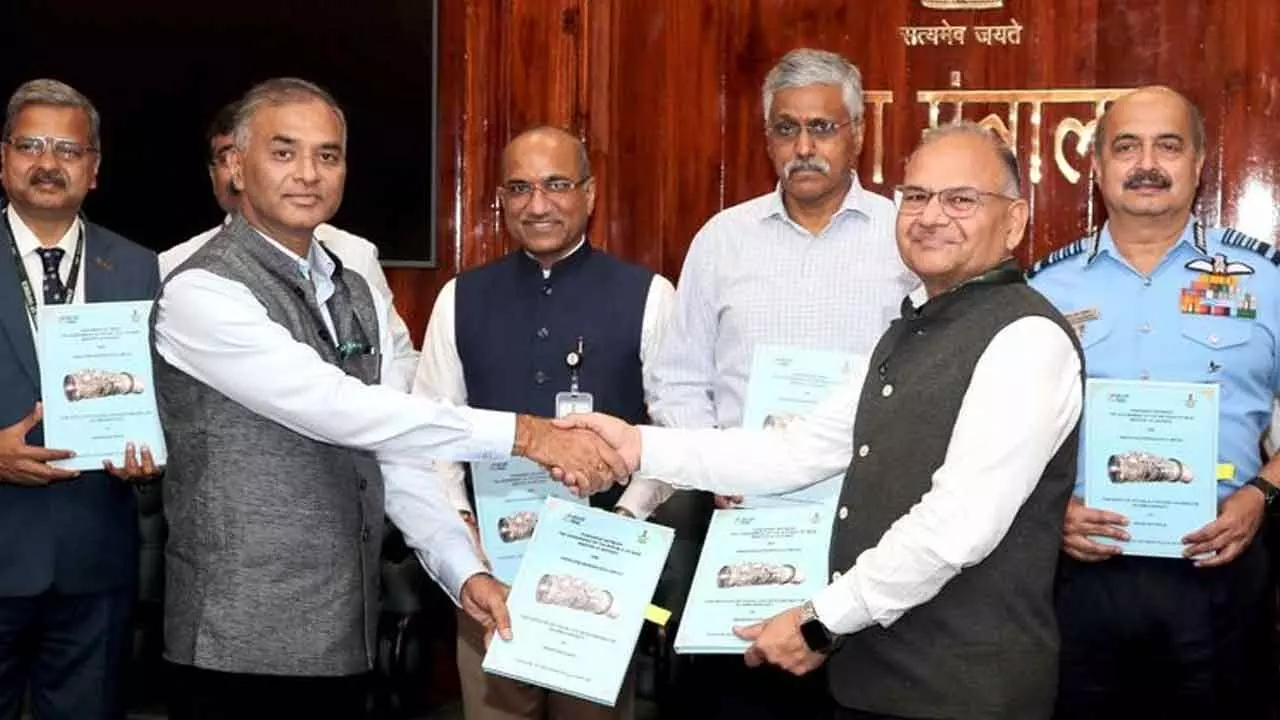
(956, 202)
(818, 128)
(62, 148)
(555, 186)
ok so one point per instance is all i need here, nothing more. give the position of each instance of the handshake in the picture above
(588, 452)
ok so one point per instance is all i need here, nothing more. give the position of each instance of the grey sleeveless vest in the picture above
(274, 538)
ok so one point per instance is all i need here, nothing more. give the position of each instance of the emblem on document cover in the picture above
(962, 4)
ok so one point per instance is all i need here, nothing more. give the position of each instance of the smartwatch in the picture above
(1269, 492)
(816, 635)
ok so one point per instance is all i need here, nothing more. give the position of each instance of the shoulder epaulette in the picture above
(1234, 238)
(1063, 253)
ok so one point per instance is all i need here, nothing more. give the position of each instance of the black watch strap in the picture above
(1269, 492)
(816, 635)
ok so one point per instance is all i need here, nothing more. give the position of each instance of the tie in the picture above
(55, 293)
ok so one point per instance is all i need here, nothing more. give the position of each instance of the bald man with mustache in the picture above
(1155, 637)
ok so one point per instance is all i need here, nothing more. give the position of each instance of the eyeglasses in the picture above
(956, 202)
(818, 129)
(63, 149)
(552, 187)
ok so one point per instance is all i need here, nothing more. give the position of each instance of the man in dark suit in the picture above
(68, 540)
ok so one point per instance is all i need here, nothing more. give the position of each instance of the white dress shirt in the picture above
(27, 244)
(440, 372)
(357, 254)
(999, 448)
(216, 331)
(754, 276)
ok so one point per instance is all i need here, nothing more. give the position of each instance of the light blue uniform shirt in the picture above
(1189, 321)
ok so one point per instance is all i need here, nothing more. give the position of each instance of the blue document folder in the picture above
(509, 498)
(754, 565)
(786, 383)
(578, 601)
(770, 553)
(1150, 453)
(96, 382)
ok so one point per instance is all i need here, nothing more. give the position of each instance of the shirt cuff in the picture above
(493, 434)
(660, 454)
(644, 495)
(840, 608)
(457, 561)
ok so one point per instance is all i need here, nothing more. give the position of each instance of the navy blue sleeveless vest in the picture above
(514, 327)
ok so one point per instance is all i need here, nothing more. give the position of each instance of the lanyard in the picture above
(28, 294)
(574, 362)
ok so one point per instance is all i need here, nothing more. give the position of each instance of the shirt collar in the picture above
(852, 202)
(27, 242)
(1192, 237)
(570, 257)
(317, 259)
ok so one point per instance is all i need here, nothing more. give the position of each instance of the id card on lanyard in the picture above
(574, 401)
(24, 281)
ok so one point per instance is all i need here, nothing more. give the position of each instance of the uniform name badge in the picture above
(574, 401)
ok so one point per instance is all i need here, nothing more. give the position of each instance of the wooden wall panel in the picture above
(656, 123)
(1242, 96)
(667, 94)
(542, 61)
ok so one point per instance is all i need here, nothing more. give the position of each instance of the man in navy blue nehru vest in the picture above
(68, 541)
(500, 337)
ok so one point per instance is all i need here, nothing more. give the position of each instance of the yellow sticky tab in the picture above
(657, 615)
(1226, 472)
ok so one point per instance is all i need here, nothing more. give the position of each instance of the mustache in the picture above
(44, 176)
(1150, 177)
(812, 164)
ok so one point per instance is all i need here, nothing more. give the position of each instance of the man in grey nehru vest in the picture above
(960, 446)
(285, 446)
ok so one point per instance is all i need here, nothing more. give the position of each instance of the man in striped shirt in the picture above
(812, 264)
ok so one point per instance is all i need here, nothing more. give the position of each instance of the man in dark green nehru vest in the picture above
(959, 445)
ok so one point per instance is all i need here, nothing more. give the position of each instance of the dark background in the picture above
(158, 70)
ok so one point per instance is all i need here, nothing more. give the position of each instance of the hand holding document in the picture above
(485, 599)
(1150, 455)
(23, 464)
(579, 599)
(96, 382)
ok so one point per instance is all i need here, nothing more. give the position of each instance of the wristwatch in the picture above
(816, 635)
(1269, 492)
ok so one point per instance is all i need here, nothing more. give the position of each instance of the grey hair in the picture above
(804, 67)
(52, 93)
(1012, 180)
(276, 92)
(1194, 117)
